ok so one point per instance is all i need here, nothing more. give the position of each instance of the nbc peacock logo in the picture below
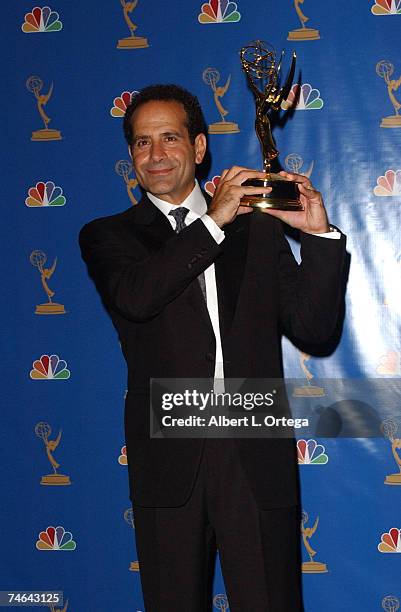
(303, 97)
(49, 367)
(211, 186)
(55, 538)
(390, 541)
(45, 194)
(121, 102)
(389, 364)
(389, 184)
(311, 453)
(219, 11)
(386, 7)
(122, 459)
(41, 20)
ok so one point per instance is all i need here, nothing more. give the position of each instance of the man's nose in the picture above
(157, 152)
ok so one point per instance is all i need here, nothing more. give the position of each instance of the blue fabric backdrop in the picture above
(55, 181)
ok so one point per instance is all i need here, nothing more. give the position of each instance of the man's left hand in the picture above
(311, 220)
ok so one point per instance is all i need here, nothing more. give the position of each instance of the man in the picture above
(191, 496)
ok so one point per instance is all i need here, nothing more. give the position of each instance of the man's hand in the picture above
(226, 200)
(313, 219)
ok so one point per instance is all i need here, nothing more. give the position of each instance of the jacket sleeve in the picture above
(139, 283)
(310, 293)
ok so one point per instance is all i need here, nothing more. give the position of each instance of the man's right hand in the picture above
(226, 202)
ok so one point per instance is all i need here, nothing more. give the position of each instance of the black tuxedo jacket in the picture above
(147, 278)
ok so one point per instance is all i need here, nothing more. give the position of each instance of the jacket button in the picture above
(209, 357)
(189, 266)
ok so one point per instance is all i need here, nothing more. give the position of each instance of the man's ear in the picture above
(200, 148)
(129, 151)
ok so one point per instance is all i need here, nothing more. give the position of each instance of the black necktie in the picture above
(179, 215)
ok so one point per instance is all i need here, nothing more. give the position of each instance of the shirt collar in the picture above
(195, 203)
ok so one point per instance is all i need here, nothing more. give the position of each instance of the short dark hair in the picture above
(195, 122)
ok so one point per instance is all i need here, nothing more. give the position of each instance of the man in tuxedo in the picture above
(200, 287)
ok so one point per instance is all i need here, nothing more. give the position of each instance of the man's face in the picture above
(163, 156)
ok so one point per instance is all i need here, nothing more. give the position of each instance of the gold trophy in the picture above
(38, 260)
(308, 390)
(385, 69)
(211, 77)
(124, 168)
(129, 518)
(389, 429)
(258, 61)
(302, 33)
(311, 566)
(35, 85)
(133, 41)
(43, 431)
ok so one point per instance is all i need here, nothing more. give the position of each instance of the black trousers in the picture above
(258, 549)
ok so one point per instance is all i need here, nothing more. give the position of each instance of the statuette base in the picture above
(223, 127)
(133, 42)
(50, 308)
(308, 391)
(55, 479)
(44, 135)
(314, 567)
(394, 121)
(393, 479)
(304, 34)
(284, 194)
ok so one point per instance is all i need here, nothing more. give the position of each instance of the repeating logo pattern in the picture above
(389, 184)
(121, 102)
(386, 7)
(55, 538)
(303, 97)
(45, 194)
(219, 11)
(311, 453)
(41, 20)
(390, 541)
(50, 367)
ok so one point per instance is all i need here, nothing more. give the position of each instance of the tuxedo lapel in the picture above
(154, 229)
(230, 267)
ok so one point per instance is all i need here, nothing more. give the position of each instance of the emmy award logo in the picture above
(129, 518)
(385, 69)
(132, 41)
(43, 430)
(390, 603)
(302, 33)
(35, 85)
(38, 260)
(389, 429)
(294, 162)
(211, 77)
(311, 566)
(220, 602)
(258, 61)
(53, 609)
(308, 390)
(124, 168)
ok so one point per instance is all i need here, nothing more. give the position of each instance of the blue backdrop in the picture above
(64, 161)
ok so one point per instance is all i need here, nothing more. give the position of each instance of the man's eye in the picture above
(141, 143)
(171, 138)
